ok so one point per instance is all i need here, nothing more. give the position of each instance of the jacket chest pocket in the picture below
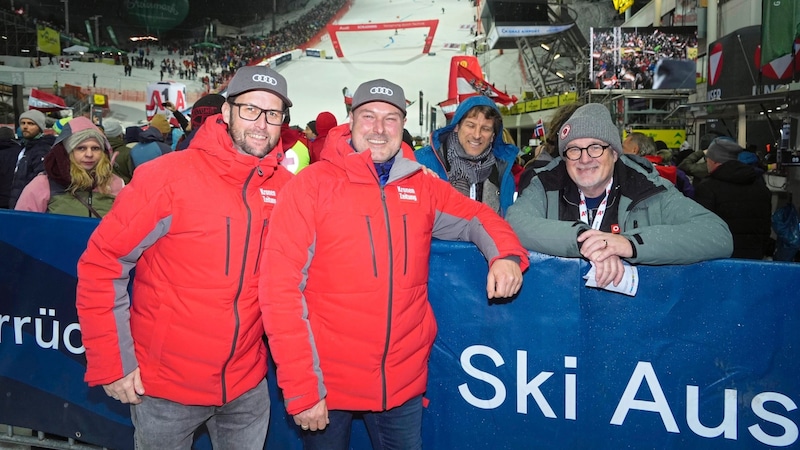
(212, 242)
(644, 216)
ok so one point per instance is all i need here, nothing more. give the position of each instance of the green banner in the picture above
(780, 25)
(89, 32)
(158, 16)
(113, 36)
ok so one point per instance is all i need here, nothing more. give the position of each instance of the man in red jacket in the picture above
(188, 349)
(345, 298)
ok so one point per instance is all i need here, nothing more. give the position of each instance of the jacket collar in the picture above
(214, 141)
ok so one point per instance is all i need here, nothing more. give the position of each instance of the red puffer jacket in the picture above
(344, 295)
(192, 224)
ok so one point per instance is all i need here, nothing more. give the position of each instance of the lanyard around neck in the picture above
(598, 218)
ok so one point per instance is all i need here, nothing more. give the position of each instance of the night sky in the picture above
(113, 12)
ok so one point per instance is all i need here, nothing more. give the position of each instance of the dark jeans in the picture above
(399, 428)
(238, 425)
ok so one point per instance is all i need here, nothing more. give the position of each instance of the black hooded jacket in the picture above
(9, 150)
(737, 193)
(30, 165)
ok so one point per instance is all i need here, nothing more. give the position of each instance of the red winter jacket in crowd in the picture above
(192, 224)
(345, 293)
(325, 123)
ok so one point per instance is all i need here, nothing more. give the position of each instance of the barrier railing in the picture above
(704, 356)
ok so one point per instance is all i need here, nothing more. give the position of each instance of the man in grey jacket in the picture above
(596, 203)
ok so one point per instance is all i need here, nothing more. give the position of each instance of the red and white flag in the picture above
(470, 83)
(45, 102)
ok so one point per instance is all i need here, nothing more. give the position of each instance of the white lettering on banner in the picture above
(643, 374)
(728, 425)
(66, 337)
(644, 371)
(496, 383)
(768, 88)
(570, 389)
(757, 404)
(524, 387)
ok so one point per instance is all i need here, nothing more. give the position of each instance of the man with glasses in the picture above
(188, 350)
(596, 203)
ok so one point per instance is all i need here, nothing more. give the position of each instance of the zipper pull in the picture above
(260, 172)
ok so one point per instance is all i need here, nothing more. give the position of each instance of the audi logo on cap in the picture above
(259, 78)
(381, 90)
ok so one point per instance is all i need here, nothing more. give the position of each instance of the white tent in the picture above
(76, 49)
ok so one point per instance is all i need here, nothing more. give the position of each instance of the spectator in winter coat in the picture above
(325, 122)
(544, 153)
(640, 144)
(736, 192)
(35, 145)
(471, 155)
(348, 254)
(597, 203)
(121, 153)
(9, 150)
(171, 135)
(151, 145)
(311, 131)
(295, 148)
(78, 179)
(203, 108)
(694, 164)
(189, 351)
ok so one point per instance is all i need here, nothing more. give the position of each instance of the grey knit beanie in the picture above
(723, 150)
(79, 136)
(36, 116)
(591, 120)
(112, 128)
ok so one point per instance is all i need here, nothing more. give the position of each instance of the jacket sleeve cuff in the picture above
(581, 230)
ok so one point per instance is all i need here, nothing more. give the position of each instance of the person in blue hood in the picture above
(470, 153)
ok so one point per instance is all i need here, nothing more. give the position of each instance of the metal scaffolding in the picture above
(18, 35)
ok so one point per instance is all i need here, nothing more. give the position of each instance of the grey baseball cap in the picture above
(259, 78)
(380, 90)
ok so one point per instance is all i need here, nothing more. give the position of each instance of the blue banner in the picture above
(704, 356)
(313, 52)
(286, 57)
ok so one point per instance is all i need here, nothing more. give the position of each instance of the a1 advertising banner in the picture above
(162, 92)
(704, 356)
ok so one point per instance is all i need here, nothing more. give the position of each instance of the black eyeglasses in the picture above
(594, 151)
(251, 113)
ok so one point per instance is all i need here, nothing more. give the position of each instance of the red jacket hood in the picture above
(325, 122)
(290, 136)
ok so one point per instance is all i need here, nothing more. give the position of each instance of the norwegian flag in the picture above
(538, 130)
